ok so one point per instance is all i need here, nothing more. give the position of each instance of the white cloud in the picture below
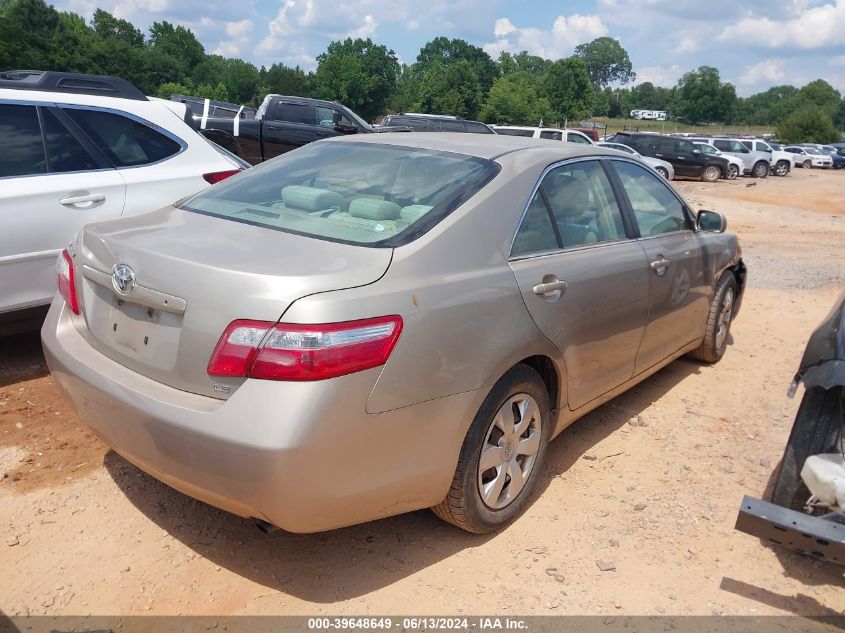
(838, 60)
(566, 33)
(766, 72)
(687, 45)
(666, 76)
(808, 28)
(367, 29)
(241, 28)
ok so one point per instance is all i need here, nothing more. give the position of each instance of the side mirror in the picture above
(345, 128)
(711, 221)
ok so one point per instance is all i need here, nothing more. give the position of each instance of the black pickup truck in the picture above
(285, 123)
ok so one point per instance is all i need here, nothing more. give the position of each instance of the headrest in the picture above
(414, 212)
(311, 198)
(374, 209)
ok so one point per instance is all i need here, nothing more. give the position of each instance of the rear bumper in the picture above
(303, 456)
(820, 537)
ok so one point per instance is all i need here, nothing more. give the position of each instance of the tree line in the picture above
(449, 76)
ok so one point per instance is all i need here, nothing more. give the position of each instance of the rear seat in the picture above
(363, 212)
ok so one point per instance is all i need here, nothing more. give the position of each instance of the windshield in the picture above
(776, 146)
(707, 149)
(356, 193)
(814, 150)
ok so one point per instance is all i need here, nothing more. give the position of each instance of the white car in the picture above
(735, 165)
(782, 162)
(551, 133)
(807, 156)
(80, 149)
(662, 167)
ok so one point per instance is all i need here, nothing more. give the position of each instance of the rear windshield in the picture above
(355, 193)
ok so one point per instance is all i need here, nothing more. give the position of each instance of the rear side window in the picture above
(355, 193)
(125, 142)
(64, 152)
(536, 233)
(23, 150)
(452, 126)
(555, 136)
(477, 128)
(655, 207)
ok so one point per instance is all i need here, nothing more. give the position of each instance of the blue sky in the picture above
(754, 45)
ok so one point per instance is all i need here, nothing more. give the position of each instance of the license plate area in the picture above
(144, 334)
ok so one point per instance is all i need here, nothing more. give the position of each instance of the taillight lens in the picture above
(217, 176)
(66, 278)
(290, 351)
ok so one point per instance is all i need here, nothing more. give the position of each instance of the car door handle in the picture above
(83, 202)
(550, 288)
(660, 265)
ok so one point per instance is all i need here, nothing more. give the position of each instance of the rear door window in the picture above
(294, 112)
(23, 149)
(125, 142)
(555, 136)
(64, 152)
(452, 126)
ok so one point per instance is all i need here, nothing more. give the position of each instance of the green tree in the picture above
(515, 99)
(810, 124)
(241, 80)
(700, 96)
(407, 91)
(358, 73)
(166, 90)
(452, 89)
(284, 80)
(606, 62)
(448, 51)
(568, 89)
(178, 42)
(106, 26)
(522, 62)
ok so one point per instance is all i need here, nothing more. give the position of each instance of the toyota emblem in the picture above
(123, 279)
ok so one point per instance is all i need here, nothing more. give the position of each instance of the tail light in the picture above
(66, 278)
(217, 176)
(290, 351)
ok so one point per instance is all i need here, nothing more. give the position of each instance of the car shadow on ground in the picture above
(799, 604)
(21, 358)
(346, 563)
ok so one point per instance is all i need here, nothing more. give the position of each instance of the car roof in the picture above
(488, 146)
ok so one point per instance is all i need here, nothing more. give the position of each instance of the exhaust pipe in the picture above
(267, 528)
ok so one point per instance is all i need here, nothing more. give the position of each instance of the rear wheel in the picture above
(733, 172)
(761, 170)
(501, 455)
(782, 168)
(719, 319)
(816, 430)
(711, 174)
(662, 171)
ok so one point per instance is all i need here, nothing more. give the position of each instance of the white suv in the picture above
(551, 133)
(80, 149)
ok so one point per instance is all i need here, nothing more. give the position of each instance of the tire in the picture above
(663, 172)
(760, 170)
(816, 430)
(722, 306)
(711, 174)
(464, 505)
(808, 164)
(733, 172)
(782, 168)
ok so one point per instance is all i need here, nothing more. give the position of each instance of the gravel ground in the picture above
(634, 513)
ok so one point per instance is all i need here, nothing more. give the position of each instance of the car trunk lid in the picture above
(191, 275)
